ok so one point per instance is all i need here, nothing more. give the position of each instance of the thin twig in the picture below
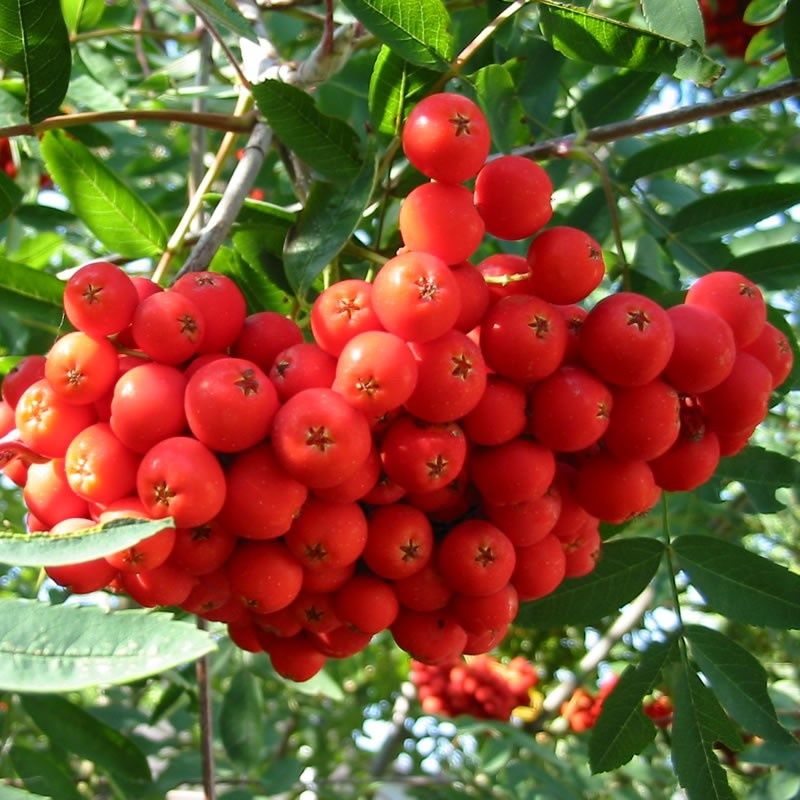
(206, 722)
(220, 40)
(623, 624)
(150, 33)
(138, 46)
(218, 122)
(179, 234)
(721, 107)
(197, 148)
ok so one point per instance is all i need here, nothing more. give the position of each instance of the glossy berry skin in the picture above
(327, 535)
(477, 613)
(48, 495)
(87, 576)
(704, 349)
(566, 265)
(425, 590)
(263, 336)
(505, 274)
(627, 339)
(614, 489)
(264, 576)
(81, 369)
(528, 522)
(415, 296)
(302, 366)
(26, 372)
(296, 658)
(773, 350)
(501, 413)
(446, 137)
(440, 219)
(734, 298)
(180, 478)
(100, 299)
(473, 294)
(689, 463)
(399, 541)
(366, 602)
(376, 372)
(168, 327)
(451, 378)
(476, 558)
(221, 304)
(539, 569)
(570, 409)
(431, 637)
(523, 338)
(644, 422)
(147, 406)
(319, 439)
(341, 312)
(515, 472)
(512, 195)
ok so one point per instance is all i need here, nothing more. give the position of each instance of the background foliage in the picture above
(719, 566)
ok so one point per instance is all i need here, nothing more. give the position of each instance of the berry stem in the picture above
(206, 722)
(673, 585)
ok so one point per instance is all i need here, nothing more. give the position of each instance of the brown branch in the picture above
(721, 107)
(206, 722)
(220, 40)
(218, 122)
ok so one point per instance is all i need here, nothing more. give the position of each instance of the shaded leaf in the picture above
(226, 14)
(679, 19)
(48, 550)
(497, 97)
(417, 30)
(250, 267)
(329, 218)
(10, 196)
(74, 729)
(242, 719)
(739, 682)
(622, 729)
(11, 793)
(82, 14)
(109, 208)
(677, 151)
(761, 472)
(698, 723)
(625, 568)
(42, 772)
(791, 36)
(327, 144)
(394, 85)
(60, 648)
(35, 42)
(615, 98)
(734, 209)
(321, 685)
(773, 267)
(282, 776)
(739, 584)
(587, 36)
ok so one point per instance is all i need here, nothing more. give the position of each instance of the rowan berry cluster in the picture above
(443, 449)
(725, 25)
(481, 687)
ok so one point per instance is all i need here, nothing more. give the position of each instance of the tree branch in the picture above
(721, 107)
(624, 623)
(217, 122)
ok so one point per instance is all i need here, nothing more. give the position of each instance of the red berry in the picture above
(100, 299)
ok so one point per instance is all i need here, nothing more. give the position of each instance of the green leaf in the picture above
(34, 297)
(697, 724)
(10, 793)
(622, 730)
(497, 96)
(82, 14)
(242, 719)
(763, 12)
(394, 85)
(773, 267)
(625, 568)
(252, 268)
(34, 41)
(615, 98)
(48, 550)
(739, 682)
(282, 776)
(586, 36)
(42, 772)
(675, 152)
(761, 472)
(739, 584)
(69, 726)
(734, 209)
(791, 36)
(60, 648)
(327, 144)
(330, 217)
(10, 196)
(679, 19)
(417, 30)
(113, 212)
(226, 14)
